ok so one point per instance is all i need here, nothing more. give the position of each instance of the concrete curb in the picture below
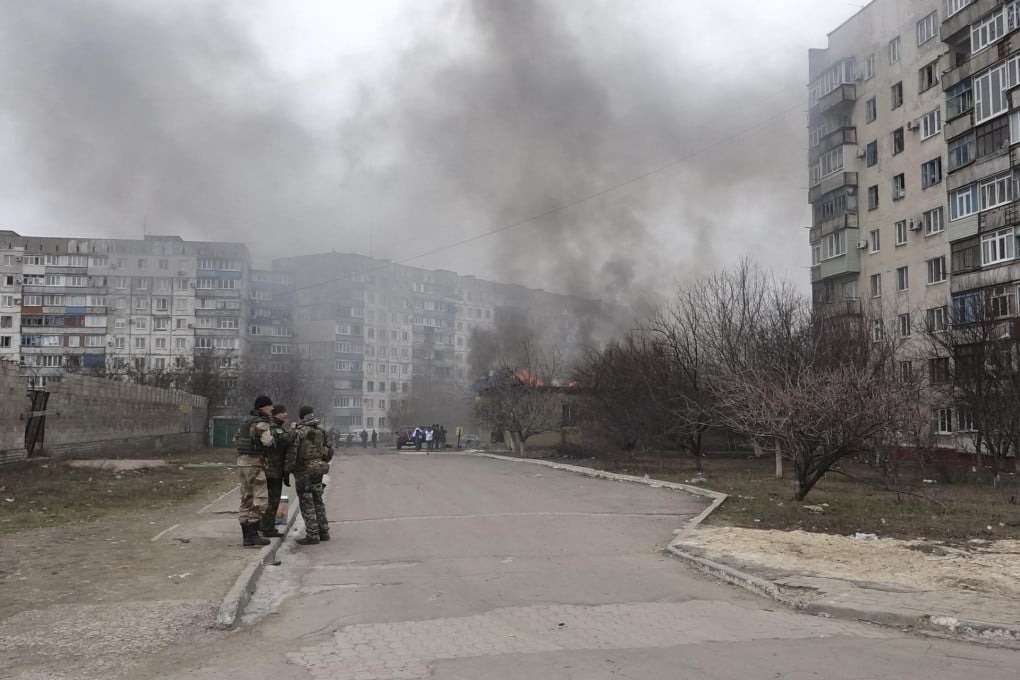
(240, 594)
(765, 588)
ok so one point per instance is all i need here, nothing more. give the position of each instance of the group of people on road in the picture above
(269, 454)
(432, 436)
(364, 436)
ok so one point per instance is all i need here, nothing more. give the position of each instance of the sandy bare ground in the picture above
(990, 568)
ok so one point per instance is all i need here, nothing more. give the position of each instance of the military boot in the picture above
(251, 535)
(323, 535)
(270, 532)
(307, 540)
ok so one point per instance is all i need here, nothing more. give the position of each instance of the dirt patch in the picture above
(984, 567)
(50, 493)
(117, 464)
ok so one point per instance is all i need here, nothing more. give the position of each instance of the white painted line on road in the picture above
(160, 534)
(500, 515)
(218, 499)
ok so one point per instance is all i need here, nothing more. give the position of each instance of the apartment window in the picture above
(1000, 301)
(961, 151)
(118, 342)
(936, 269)
(899, 186)
(877, 330)
(876, 285)
(987, 31)
(902, 279)
(869, 67)
(897, 141)
(928, 76)
(990, 93)
(161, 323)
(180, 343)
(992, 137)
(216, 284)
(896, 95)
(995, 191)
(905, 371)
(160, 343)
(998, 246)
(937, 318)
(954, 6)
(874, 241)
(871, 153)
(934, 221)
(931, 173)
(894, 50)
(870, 110)
(965, 420)
(903, 321)
(942, 420)
(963, 202)
(938, 369)
(928, 28)
(959, 99)
(873, 197)
(284, 349)
(5, 341)
(139, 343)
(931, 124)
(834, 245)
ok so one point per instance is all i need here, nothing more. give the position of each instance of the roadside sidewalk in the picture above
(801, 583)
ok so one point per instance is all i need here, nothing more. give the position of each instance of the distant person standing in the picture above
(364, 439)
(375, 438)
(419, 437)
(274, 469)
(253, 440)
(308, 460)
(430, 438)
(350, 439)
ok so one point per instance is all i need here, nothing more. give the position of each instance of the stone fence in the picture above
(95, 417)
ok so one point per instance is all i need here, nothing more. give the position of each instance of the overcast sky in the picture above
(671, 133)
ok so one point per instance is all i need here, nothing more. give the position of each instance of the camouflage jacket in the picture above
(253, 452)
(309, 452)
(275, 455)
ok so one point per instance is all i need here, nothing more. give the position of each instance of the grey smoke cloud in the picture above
(174, 113)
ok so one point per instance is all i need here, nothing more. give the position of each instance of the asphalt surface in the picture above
(450, 566)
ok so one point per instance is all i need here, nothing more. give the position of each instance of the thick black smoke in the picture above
(117, 113)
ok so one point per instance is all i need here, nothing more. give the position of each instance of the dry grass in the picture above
(49, 493)
(852, 499)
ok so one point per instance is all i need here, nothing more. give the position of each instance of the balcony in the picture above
(977, 62)
(966, 16)
(845, 221)
(839, 180)
(839, 308)
(842, 95)
(844, 135)
(848, 263)
(994, 275)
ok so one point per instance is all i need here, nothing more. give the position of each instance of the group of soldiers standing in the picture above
(268, 455)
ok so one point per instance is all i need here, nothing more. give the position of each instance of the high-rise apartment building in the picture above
(913, 134)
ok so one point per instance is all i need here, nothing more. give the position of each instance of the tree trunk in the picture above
(758, 453)
(520, 439)
(779, 461)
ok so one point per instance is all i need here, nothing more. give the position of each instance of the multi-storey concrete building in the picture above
(377, 336)
(119, 304)
(877, 166)
(914, 137)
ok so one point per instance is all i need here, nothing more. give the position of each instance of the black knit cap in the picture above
(305, 410)
(262, 400)
(278, 409)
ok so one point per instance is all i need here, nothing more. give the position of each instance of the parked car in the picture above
(469, 440)
(404, 439)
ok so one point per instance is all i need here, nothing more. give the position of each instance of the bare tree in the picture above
(975, 371)
(820, 388)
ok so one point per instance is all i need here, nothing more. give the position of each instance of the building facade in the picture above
(914, 127)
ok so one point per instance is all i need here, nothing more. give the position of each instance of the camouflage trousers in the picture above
(313, 510)
(274, 486)
(254, 493)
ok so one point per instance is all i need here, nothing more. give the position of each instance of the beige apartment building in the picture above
(914, 134)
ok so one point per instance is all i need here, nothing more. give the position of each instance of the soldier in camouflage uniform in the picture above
(308, 460)
(252, 440)
(282, 437)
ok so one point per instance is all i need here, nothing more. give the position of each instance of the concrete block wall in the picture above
(13, 404)
(95, 417)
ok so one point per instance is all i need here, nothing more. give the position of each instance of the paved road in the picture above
(456, 567)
